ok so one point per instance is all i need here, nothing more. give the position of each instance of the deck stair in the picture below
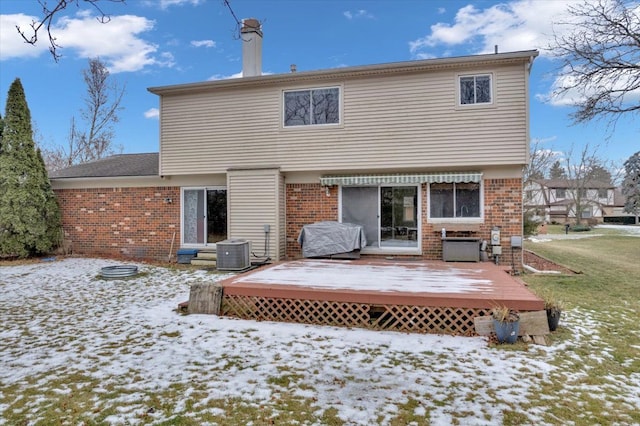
(205, 257)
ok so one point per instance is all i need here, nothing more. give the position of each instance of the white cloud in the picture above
(91, 38)
(514, 26)
(152, 113)
(361, 13)
(224, 77)
(565, 92)
(12, 45)
(165, 4)
(441, 10)
(84, 36)
(236, 75)
(203, 43)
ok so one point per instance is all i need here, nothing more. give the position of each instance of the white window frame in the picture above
(459, 78)
(310, 125)
(586, 213)
(390, 250)
(198, 188)
(479, 219)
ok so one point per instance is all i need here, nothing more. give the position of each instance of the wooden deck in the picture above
(375, 293)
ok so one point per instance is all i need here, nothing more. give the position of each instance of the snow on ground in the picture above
(629, 230)
(59, 319)
(340, 275)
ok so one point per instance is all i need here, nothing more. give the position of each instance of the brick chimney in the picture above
(251, 35)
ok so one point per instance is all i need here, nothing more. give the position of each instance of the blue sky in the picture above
(163, 42)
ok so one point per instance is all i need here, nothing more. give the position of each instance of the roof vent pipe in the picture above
(251, 34)
(495, 49)
(293, 68)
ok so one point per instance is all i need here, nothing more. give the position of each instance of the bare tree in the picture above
(600, 59)
(102, 104)
(101, 111)
(582, 169)
(540, 159)
(49, 17)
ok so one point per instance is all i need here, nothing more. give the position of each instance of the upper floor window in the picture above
(312, 107)
(602, 193)
(561, 193)
(475, 89)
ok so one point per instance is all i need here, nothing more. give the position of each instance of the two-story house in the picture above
(403, 149)
(558, 200)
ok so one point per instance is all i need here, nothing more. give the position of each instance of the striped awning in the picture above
(402, 178)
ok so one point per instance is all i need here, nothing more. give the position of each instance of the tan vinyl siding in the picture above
(388, 122)
(254, 200)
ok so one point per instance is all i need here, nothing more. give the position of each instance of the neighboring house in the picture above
(616, 213)
(404, 149)
(555, 200)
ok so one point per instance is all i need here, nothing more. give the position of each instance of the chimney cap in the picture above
(251, 25)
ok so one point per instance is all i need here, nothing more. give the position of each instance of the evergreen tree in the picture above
(29, 213)
(599, 173)
(557, 171)
(631, 185)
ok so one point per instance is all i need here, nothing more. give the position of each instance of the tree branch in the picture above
(49, 17)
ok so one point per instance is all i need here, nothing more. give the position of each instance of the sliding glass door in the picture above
(204, 216)
(399, 216)
(388, 214)
(360, 206)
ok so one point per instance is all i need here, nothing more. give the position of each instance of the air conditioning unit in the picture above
(233, 255)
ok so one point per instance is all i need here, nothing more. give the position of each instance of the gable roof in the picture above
(568, 184)
(119, 165)
(525, 56)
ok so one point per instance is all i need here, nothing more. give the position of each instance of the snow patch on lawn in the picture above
(60, 319)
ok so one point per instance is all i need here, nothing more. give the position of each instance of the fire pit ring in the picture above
(119, 271)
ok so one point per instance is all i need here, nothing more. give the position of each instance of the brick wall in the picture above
(121, 222)
(138, 223)
(503, 208)
(308, 203)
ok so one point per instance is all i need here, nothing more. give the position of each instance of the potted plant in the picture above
(506, 323)
(554, 309)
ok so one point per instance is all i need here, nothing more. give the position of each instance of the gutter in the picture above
(356, 71)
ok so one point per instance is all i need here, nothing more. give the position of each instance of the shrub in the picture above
(580, 228)
(531, 223)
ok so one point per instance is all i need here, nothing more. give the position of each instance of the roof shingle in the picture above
(119, 165)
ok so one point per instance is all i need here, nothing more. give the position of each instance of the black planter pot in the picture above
(553, 318)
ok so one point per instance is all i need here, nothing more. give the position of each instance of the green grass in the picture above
(594, 355)
(606, 298)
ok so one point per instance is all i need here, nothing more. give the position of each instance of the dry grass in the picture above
(605, 298)
(589, 376)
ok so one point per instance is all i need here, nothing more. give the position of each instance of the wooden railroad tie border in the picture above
(533, 325)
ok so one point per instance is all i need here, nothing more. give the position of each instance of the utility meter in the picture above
(495, 236)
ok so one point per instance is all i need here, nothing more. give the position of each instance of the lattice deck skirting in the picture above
(421, 319)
